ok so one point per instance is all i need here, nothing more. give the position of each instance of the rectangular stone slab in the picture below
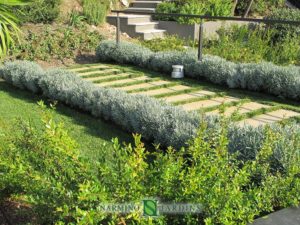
(124, 81)
(99, 72)
(208, 103)
(187, 96)
(270, 117)
(144, 85)
(88, 67)
(121, 75)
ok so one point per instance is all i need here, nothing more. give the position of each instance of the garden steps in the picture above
(268, 118)
(208, 103)
(144, 85)
(187, 96)
(242, 109)
(136, 25)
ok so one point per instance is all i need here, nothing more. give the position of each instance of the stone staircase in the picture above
(138, 26)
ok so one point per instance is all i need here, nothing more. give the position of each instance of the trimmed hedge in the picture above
(283, 81)
(153, 119)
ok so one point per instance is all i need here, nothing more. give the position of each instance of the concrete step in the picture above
(150, 34)
(135, 9)
(145, 4)
(128, 19)
(139, 27)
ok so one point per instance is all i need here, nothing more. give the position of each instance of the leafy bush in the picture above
(269, 78)
(259, 7)
(41, 166)
(208, 7)
(166, 7)
(42, 11)
(283, 30)
(166, 43)
(244, 44)
(62, 43)
(95, 11)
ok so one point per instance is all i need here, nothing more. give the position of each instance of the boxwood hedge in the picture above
(154, 120)
(263, 77)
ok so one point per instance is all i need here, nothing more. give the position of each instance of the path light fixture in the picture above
(177, 71)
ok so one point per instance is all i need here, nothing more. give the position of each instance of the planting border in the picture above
(153, 119)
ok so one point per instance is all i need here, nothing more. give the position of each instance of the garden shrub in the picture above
(24, 75)
(41, 11)
(95, 11)
(281, 81)
(62, 43)
(41, 166)
(208, 7)
(282, 31)
(259, 7)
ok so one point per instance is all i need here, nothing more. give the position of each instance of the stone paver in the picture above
(144, 85)
(244, 108)
(209, 103)
(180, 87)
(108, 71)
(88, 67)
(160, 91)
(270, 117)
(121, 75)
(187, 96)
(124, 81)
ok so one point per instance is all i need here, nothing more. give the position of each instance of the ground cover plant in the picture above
(63, 42)
(40, 11)
(61, 187)
(264, 77)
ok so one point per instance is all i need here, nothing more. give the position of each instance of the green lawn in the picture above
(92, 135)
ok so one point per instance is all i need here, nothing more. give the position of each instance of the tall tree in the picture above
(8, 23)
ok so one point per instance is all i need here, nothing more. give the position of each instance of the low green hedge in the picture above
(41, 165)
(283, 81)
(154, 120)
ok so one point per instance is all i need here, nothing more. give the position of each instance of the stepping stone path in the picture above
(243, 108)
(190, 98)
